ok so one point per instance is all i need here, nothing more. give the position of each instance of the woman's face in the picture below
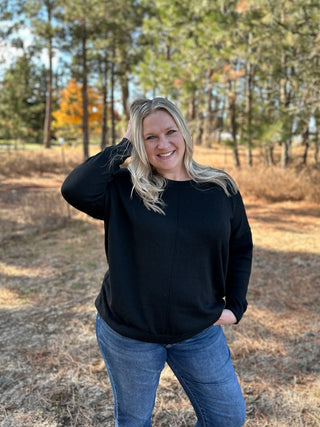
(165, 146)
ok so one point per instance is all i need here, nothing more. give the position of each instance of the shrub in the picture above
(275, 184)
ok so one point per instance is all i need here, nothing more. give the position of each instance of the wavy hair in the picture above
(146, 181)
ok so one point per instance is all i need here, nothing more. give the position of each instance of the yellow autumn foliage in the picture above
(68, 118)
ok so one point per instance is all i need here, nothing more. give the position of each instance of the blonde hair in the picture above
(146, 181)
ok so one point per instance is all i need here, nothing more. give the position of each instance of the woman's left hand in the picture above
(226, 318)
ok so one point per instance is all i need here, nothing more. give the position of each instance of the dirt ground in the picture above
(51, 267)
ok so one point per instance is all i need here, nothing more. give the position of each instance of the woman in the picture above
(179, 250)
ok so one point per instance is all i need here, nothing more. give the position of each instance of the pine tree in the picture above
(80, 18)
(42, 15)
(22, 99)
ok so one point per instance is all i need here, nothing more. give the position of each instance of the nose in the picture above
(163, 142)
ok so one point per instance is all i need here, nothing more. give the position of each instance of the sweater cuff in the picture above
(238, 312)
(124, 148)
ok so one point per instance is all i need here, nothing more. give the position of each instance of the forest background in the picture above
(246, 75)
(243, 72)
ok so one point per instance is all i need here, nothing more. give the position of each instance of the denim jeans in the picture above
(202, 365)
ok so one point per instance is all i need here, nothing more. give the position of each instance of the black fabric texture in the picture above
(170, 276)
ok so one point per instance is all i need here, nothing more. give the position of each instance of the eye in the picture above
(171, 131)
(150, 137)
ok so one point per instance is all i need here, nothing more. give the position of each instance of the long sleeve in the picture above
(85, 187)
(240, 259)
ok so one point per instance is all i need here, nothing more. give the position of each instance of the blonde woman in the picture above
(179, 250)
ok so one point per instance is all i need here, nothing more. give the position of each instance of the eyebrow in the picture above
(166, 129)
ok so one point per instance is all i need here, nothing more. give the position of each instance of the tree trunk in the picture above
(207, 126)
(305, 142)
(85, 120)
(113, 118)
(285, 101)
(192, 108)
(269, 155)
(199, 129)
(220, 120)
(316, 155)
(125, 96)
(249, 114)
(104, 130)
(233, 123)
(284, 160)
(48, 113)
(249, 155)
(316, 150)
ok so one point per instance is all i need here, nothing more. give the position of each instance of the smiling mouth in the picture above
(166, 155)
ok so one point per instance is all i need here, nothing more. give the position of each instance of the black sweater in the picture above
(170, 276)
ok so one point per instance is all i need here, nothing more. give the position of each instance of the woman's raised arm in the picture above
(85, 187)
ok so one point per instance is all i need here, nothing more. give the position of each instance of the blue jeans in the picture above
(202, 365)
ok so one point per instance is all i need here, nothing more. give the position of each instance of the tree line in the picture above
(243, 72)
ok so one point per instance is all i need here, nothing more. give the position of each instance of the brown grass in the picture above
(37, 162)
(51, 269)
(271, 184)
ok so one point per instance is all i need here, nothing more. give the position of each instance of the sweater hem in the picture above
(140, 335)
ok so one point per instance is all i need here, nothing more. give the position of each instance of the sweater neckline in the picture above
(174, 183)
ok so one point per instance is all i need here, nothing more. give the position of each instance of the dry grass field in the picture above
(51, 266)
